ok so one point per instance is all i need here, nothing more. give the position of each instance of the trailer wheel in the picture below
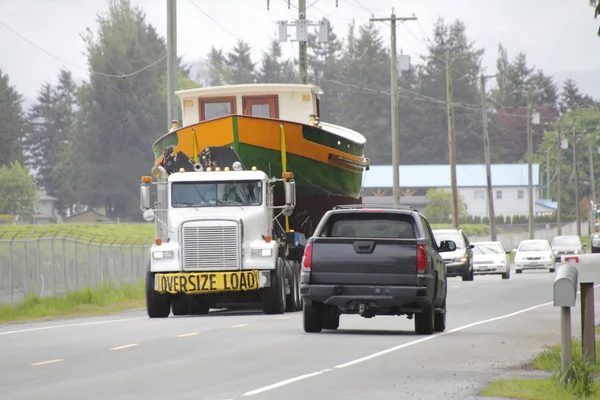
(157, 305)
(274, 297)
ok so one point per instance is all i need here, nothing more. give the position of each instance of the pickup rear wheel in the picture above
(313, 318)
(330, 321)
(157, 305)
(274, 296)
(439, 322)
(424, 321)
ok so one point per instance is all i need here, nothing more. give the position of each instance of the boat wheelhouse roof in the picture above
(284, 101)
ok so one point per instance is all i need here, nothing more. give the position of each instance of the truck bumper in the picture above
(207, 282)
(348, 298)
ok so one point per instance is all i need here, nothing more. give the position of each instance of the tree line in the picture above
(89, 143)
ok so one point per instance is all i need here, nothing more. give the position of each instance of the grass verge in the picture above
(579, 382)
(469, 229)
(84, 302)
(119, 233)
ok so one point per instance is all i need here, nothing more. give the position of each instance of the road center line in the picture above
(188, 334)
(47, 362)
(395, 348)
(43, 328)
(125, 346)
(238, 326)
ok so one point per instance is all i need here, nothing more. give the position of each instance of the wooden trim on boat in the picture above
(349, 162)
(228, 99)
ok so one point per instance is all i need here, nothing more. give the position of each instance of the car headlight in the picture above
(576, 252)
(262, 252)
(555, 251)
(157, 255)
(464, 259)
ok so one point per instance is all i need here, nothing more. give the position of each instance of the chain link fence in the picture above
(57, 262)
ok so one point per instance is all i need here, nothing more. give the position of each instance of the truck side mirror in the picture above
(290, 192)
(144, 196)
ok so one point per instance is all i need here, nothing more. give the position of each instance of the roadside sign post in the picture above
(587, 267)
(565, 296)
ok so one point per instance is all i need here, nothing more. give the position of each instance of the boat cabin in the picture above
(289, 102)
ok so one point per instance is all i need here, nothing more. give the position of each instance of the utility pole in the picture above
(576, 183)
(548, 174)
(486, 151)
(451, 141)
(530, 161)
(558, 178)
(172, 104)
(302, 25)
(592, 178)
(394, 101)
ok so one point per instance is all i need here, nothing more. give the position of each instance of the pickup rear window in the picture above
(370, 225)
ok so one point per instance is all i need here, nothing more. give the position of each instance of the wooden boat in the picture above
(268, 125)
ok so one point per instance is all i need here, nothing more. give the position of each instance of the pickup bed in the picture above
(374, 261)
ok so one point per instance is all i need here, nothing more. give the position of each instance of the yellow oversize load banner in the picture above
(202, 282)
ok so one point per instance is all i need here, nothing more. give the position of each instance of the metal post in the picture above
(53, 272)
(565, 338)
(64, 257)
(530, 163)
(548, 174)
(592, 178)
(451, 141)
(588, 323)
(172, 62)
(10, 270)
(25, 266)
(38, 269)
(576, 166)
(486, 152)
(558, 179)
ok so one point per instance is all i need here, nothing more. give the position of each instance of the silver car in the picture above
(534, 254)
(567, 244)
(491, 258)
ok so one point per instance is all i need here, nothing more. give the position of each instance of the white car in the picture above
(534, 254)
(490, 258)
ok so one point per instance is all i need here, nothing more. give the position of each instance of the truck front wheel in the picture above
(274, 297)
(157, 305)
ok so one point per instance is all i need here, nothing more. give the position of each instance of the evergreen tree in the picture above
(571, 98)
(216, 67)
(123, 116)
(12, 129)
(273, 69)
(239, 67)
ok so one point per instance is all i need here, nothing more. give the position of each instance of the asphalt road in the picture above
(492, 325)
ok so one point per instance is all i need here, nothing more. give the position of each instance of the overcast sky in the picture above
(558, 36)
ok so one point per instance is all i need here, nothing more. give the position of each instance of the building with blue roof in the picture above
(509, 184)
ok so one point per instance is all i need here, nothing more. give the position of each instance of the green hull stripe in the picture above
(311, 176)
(236, 138)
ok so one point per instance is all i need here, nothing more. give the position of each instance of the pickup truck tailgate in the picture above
(348, 261)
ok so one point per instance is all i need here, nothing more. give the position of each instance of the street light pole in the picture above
(488, 168)
(530, 161)
(576, 183)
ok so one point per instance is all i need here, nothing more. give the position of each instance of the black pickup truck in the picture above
(374, 260)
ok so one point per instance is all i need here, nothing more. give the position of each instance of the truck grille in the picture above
(211, 247)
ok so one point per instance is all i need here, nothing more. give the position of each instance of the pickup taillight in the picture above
(421, 259)
(307, 257)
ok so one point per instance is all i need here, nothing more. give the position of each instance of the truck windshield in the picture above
(369, 225)
(216, 194)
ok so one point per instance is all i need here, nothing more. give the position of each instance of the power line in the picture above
(214, 20)
(78, 66)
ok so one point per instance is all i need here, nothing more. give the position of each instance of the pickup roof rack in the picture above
(380, 206)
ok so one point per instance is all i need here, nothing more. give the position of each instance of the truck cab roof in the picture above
(195, 176)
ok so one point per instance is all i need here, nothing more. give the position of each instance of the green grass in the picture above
(85, 302)
(551, 388)
(119, 233)
(469, 229)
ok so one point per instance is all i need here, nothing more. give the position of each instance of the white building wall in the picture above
(508, 201)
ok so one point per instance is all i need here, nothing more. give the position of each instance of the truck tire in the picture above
(180, 305)
(274, 296)
(293, 299)
(439, 321)
(300, 303)
(157, 305)
(313, 320)
(425, 321)
(199, 304)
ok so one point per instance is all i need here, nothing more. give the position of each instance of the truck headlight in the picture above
(261, 252)
(157, 255)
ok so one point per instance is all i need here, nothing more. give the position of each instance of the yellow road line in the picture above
(47, 362)
(124, 346)
(188, 334)
(282, 318)
(238, 326)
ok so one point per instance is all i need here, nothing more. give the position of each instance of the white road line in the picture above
(188, 334)
(238, 326)
(396, 348)
(126, 346)
(282, 318)
(47, 362)
(43, 328)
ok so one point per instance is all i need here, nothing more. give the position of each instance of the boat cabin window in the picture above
(216, 107)
(266, 106)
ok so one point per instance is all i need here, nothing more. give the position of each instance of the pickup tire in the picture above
(274, 297)
(425, 321)
(313, 318)
(330, 321)
(157, 305)
(469, 275)
(439, 321)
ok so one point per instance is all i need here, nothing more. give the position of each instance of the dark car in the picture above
(567, 244)
(460, 261)
(374, 261)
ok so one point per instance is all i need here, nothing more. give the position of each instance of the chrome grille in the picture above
(211, 247)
